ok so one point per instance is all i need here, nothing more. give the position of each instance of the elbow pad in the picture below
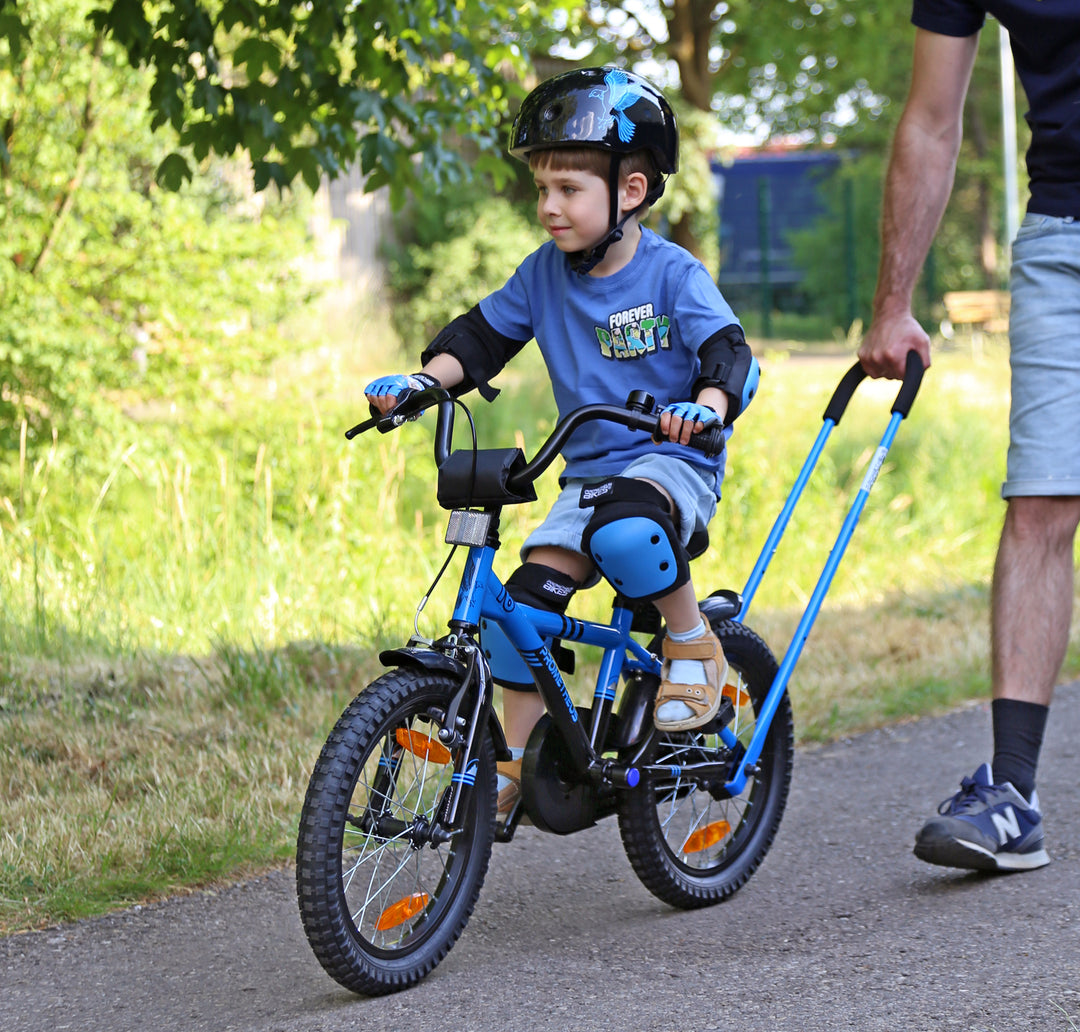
(478, 346)
(727, 363)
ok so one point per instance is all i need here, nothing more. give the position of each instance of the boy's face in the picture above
(572, 206)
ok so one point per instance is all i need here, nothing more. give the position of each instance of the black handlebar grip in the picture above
(842, 395)
(711, 441)
(361, 428)
(913, 374)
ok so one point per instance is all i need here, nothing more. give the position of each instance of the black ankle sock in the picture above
(1018, 735)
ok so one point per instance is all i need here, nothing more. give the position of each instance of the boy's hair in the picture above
(596, 161)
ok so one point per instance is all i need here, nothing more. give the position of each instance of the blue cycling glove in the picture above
(397, 385)
(692, 411)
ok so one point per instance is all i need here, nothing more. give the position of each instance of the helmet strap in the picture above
(583, 262)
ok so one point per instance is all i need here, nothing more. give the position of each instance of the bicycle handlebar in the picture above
(638, 414)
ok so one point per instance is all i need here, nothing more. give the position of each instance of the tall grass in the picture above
(179, 629)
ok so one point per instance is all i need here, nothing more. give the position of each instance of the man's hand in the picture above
(886, 345)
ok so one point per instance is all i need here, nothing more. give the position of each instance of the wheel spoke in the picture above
(411, 774)
(689, 841)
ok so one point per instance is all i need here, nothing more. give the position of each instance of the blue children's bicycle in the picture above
(399, 818)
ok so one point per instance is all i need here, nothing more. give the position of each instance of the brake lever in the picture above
(414, 405)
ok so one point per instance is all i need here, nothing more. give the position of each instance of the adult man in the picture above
(994, 822)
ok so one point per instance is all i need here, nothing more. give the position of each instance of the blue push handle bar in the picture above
(912, 379)
(913, 374)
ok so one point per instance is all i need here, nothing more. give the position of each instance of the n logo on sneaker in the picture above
(1006, 823)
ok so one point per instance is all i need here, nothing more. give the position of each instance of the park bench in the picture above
(986, 310)
(981, 311)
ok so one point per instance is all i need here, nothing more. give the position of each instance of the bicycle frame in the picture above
(483, 595)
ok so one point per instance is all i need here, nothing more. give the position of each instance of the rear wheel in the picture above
(692, 844)
(382, 896)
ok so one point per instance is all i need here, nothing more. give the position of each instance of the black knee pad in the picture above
(632, 539)
(542, 587)
(531, 584)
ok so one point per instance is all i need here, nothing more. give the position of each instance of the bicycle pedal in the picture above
(724, 716)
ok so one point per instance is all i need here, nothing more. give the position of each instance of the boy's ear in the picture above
(634, 189)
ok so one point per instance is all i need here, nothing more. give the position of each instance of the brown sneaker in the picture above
(702, 699)
(510, 795)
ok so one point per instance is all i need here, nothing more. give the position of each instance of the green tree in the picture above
(822, 72)
(106, 280)
(310, 88)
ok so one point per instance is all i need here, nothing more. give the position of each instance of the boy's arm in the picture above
(715, 399)
(682, 419)
(465, 354)
(727, 367)
(479, 350)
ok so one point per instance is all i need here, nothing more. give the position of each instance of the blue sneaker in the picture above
(985, 827)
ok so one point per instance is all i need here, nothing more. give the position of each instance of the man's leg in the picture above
(1033, 597)
(993, 823)
(1030, 619)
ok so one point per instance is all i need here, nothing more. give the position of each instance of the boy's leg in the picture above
(695, 667)
(522, 709)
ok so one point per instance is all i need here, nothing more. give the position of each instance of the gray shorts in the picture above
(693, 491)
(1044, 335)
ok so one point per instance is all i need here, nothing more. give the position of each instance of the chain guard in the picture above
(552, 801)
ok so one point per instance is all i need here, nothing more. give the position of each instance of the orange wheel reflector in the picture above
(737, 696)
(424, 747)
(707, 836)
(400, 912)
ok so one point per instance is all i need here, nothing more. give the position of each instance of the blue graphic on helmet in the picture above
(624, 94)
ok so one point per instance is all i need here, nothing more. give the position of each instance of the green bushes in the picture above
(107, 282)
(460, 254)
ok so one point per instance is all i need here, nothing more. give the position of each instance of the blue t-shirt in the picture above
(605, 336)
(1045, 36)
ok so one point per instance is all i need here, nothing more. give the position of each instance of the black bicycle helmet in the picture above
(606, 108)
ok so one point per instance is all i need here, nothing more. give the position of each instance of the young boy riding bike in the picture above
(613, 308)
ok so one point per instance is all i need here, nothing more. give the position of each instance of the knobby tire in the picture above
(380, 905)
(689, 844)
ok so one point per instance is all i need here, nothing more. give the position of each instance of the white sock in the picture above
(515, 754)
(688, 671)
(683, 671)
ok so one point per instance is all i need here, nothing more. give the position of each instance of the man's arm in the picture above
(917, 188)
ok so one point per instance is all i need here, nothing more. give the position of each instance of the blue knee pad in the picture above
(632, 539)
(532, 584)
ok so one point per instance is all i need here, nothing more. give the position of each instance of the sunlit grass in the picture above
(179, 630)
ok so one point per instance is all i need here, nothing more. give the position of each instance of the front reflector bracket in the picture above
(401, 911)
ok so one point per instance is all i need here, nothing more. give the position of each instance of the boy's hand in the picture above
(681, 419)
(387, 391)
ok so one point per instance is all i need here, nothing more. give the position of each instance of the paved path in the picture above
(841, 928)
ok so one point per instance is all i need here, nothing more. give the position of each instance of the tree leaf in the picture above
(173, 172)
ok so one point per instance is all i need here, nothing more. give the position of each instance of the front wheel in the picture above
(383, 894)
(691, 844)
